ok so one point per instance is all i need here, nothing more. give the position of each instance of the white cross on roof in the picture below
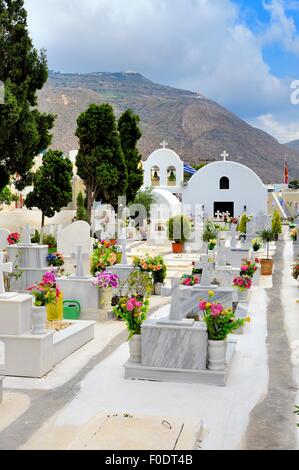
(164, 144)
(224, 155)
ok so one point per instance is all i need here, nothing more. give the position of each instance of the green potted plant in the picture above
(209, 233)
(257, 244)
(295, 271)
(45, 293)
(179, 230)
(220, 323)
(267, 264)
(276, 225)
(132, 309)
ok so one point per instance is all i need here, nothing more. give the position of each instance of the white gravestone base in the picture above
(82, 290)
(34, 356)
(15, 315)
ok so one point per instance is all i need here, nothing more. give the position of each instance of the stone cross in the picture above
(224, 155)
(218, 215)
(124, 251)
(27, 236)
(164, 144)
(206, 268)
(4, 268)
(176, 307)
(79, 257)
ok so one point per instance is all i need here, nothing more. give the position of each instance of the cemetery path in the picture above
(272, 422)
(45, 403)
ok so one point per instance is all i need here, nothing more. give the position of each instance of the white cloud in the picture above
(283, 132)
(201, 45)
(282, 28)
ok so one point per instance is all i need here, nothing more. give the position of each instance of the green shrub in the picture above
(242, 228)
(179, 228)
(210, 232)
(36, 237)
(276, 223)
(81, 209)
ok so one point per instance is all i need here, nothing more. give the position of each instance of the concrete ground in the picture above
(85, 399)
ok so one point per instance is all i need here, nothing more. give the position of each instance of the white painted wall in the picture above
(246, 188)
(164, 158)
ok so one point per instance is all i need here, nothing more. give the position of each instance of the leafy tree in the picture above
(81, 209)
(52, 185)
(130, 133)
(100, 160)
(294, 184)
(24, 131)
(6, 196)
(145, 198)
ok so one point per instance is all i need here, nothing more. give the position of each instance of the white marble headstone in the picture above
(75, 234)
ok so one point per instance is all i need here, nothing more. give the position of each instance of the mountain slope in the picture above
(194, 126)
(294, 145)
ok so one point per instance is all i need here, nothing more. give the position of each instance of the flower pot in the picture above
(38, 320)
(222, 234)
(243, 295)
(135, 349)
(106, 295)
(157, 288)
(216, 355)
(266, 267)
(55, 311)
(178, 248)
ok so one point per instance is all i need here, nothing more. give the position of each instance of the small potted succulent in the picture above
(106, 281)
(267, 264)
(220, 323)
(46, 293)
(179, 230)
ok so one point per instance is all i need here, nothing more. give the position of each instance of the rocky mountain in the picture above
(194, 126)
(294, 145)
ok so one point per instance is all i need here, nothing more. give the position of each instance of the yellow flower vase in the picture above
(55, 311)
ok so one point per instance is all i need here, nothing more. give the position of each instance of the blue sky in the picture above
(241, 53)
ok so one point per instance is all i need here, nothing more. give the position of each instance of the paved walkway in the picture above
(272, 422)
(254, 411)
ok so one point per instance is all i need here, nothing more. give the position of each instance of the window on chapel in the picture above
(224, 183)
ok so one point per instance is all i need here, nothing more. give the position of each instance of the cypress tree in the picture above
(24, 131)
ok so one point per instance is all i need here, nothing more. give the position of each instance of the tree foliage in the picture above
(24, 131)
(130, 133)
(81, 209)
(52, 185)
(100, 160)
(276, 223)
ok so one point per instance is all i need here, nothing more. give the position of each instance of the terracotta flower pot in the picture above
(266, 267)
(178, 248)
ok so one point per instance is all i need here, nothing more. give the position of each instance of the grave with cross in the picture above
(80, 259)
